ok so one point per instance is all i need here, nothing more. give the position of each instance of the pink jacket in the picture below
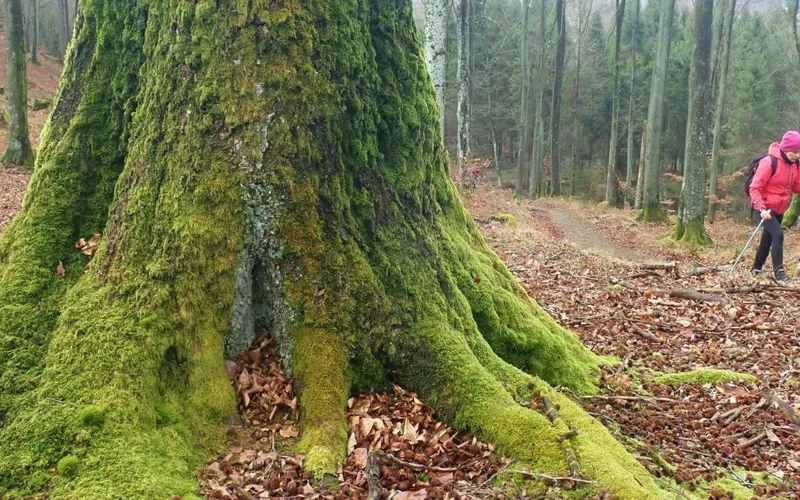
(774, 192)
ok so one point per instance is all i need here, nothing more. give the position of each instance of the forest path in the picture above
(589, 233)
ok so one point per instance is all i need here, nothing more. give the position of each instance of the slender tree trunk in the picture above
(729, 14)
(524, 119)
(435, 50)
(299, 212)
(611, 172)
(555, 109)
(691, 226)
(637, 204)
(63, 27)
(631, 158)
(35, 33)
(536, 185)
(793, 213)
(651, 207)
(576, 123)
(18, 151)
(463, 112)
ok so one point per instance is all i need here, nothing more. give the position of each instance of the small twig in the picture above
(733, 416)
(754, 441)
(549, 409)
(643, 274)
(644, 333)
(647, 399)
(686, 293)
(699, 271)
(415, 467)
(551, 477)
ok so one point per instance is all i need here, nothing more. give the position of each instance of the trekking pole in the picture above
(745, 246)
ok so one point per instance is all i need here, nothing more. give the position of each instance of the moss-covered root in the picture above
(702, 376)
(694, 233)
(791, 215)
(653, 213)
(438, 362)
(320, 369)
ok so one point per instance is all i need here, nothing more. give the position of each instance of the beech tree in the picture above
(691, 222)
(18, 151)
(34, 29)
(611, 172)
(555, 109)
(651, 207)
(522, 159)
(631, 154)
(244, 169)
(436, 50)
(791, 215)
(463, 111)
(537, 181)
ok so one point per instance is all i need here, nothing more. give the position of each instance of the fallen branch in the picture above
(687, 293)
(647, 399)
(673, 266)
(538, 475)
(643, 274)
(374, 477)
(644, 333)
(699, 271)
(753, 441)
(388, 457)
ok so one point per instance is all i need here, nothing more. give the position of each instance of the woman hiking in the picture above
(776, 177)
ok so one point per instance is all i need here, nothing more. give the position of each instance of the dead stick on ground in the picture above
(388, 457)
(551, 477)
(703, 270)
(632, 398)
(686, 293)
(754, 441)
(374, 477)
(665, 265)
(772, 398)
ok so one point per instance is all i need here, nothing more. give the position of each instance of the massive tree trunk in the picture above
(555, 109)
(249, 170)
(651, 207)
(690, 227)
(631, 154)
(722, 77)
(525, 119)
(463, 111)
(18, 151)
(611, 172)
(436, 49)
(792, 214)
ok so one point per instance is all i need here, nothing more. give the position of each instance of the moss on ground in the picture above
(507, 219)
(702, 376)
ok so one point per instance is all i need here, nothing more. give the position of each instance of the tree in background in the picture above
(35, 32)
(630, 153)
(464, 136)
(722, 78)
(791, 215)
(555, 108)
(651, 207)
(19, 150)
(525, 118)
(611, 174)
(536, 186)
(690, 227)
(435, 49)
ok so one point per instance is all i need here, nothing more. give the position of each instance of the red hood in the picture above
(775, 150)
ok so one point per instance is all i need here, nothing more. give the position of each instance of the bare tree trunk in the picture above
(651, 207)
(791, 216)
(463, 113)
(729, 15)
(555, 113)
(631, 104)
(524, 144)
(535, 185)
(691, 227)
(611, 173)
(637, 204)
(435, 50)
(18, 151)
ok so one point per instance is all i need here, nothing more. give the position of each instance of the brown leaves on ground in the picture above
(425, 458)
(13, 182)
(605, 301)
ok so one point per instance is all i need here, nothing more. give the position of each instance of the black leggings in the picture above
(771, 238)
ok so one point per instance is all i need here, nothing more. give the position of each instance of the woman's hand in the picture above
(765, 214)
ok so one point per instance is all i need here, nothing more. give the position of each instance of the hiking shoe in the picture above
(755, 273)
(780, 276)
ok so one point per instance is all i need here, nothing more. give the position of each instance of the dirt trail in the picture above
(584, 233)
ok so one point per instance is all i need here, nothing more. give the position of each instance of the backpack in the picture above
(751, 171)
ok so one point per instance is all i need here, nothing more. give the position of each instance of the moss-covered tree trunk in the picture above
(690, 227)
(258, 166)
(18, 151)
(611, 170)
(651, 207)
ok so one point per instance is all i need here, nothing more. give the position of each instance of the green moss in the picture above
(694, 233)
(739, 491)
(702, 376)
(791, 215)
(68, 466)
(652, 213)
(167, 415)
(92, 416)
(507, 219)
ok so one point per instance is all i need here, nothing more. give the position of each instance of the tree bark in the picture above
(436, 50)
(523, 160)
(463, 112)
(631, 158)
(536, 184)
(637, 204)
(18, 151)
(611, 172)
(792, 214)
(730, 10)
(35, 33)
(651, 207)
(259, 173)
(555, 109)
(690, 227)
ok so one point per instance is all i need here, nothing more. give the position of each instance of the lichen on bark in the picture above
(250, 166)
